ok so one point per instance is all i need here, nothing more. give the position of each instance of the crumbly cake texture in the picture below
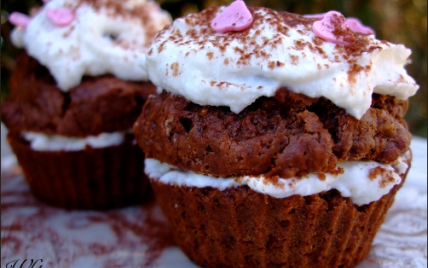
(97, 105)
(239, 227)
(102, 178)
(287, 135)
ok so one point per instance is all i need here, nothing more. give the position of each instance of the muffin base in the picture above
(100, 179)
(239, 227)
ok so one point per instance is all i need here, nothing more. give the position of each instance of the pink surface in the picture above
(235, 17)
(353, 23)
(60, 16)
(19, 19)
(333, 28)
(357, 26)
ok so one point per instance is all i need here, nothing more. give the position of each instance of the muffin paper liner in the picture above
(101, 178)
(239, 227)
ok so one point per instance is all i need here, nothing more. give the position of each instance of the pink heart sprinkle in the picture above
(235, 17)
(19, 19)
(333, 28)
(356, 26)
(60, 16)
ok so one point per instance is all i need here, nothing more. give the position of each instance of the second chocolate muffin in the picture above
(74, 96)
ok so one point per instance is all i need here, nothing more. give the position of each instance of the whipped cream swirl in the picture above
(96, 37)
(280, 49)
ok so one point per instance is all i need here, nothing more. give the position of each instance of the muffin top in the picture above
(73, 38)
(278, 49)
(97, 105)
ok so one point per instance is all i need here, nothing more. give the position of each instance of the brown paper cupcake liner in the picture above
(239, 227)
(99, 179)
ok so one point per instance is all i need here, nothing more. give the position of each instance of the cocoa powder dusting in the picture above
(386, 180)
(175, 70)
(347, 34)
(353, 71)
(143, 12)
(386, 176)
(251, 46)
(294, 59)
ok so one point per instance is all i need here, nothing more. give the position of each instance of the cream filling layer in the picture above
(362, 181)
(44, 142)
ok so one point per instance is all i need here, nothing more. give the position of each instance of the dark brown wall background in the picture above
(397, 21)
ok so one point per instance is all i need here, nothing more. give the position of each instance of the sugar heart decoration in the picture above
(333, 28)
(19, 19)
(235, 17)
(60, 16)
(356, 26)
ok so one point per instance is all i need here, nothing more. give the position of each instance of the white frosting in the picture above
(231, 69)
(85, 46)
(43, 142)
(355, 182)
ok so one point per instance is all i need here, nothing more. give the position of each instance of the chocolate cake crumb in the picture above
(287, 135)
(97, 105)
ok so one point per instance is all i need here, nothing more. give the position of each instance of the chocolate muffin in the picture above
(277, 139)
(74, 96)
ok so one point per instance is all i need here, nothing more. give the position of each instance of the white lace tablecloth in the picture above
(138, 236)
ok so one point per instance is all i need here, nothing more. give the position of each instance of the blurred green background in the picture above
(397, 21)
